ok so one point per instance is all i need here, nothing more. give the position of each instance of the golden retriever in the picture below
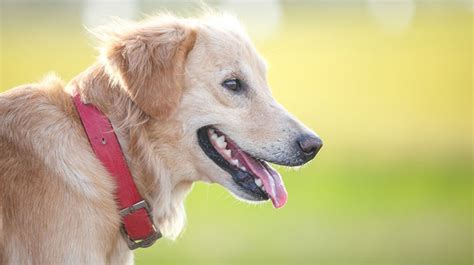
(189, 101)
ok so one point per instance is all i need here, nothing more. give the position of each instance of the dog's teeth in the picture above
(227, 153)
(234, 162)
(212, 131)
(243, 168)
(258, 182)
(214, 137)
(221, 143)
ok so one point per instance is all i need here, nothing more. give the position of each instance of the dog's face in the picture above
(224, 124)
(234, 124)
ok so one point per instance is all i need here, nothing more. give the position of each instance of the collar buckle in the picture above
(144, 243)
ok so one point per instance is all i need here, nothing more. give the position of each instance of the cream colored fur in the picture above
(158, 81)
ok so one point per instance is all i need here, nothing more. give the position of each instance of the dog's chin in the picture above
(251, 179)
(238, 192)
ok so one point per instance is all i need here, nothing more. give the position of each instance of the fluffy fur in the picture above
(158, 81)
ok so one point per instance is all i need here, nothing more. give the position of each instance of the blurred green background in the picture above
(387, 85)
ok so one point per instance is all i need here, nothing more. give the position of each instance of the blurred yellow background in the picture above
(387, 85)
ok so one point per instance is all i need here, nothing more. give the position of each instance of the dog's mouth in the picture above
(252, 175)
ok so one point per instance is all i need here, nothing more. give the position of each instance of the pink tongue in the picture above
(271, 179)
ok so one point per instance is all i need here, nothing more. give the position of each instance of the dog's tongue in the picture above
(271, 179)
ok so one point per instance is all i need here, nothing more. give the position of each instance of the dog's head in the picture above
(212, 116)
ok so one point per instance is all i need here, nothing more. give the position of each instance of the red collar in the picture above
(137, 225)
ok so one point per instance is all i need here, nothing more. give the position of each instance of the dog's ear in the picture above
(149, 62)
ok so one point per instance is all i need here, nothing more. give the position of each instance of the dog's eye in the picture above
(233, 84)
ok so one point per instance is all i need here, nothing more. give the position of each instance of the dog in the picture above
(188, 100)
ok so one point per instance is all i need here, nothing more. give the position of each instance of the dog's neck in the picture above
(151, 173)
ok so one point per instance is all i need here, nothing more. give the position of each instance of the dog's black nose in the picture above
(310, 145)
